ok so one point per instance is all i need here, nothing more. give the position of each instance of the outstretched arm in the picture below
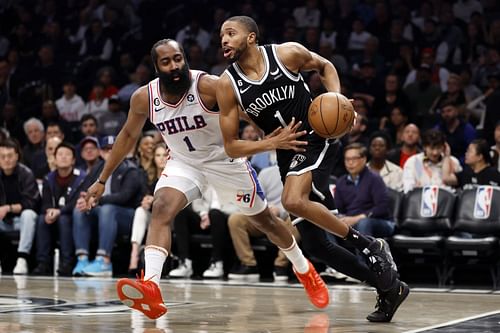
(125, 142)
(281, 138)
(298, 58)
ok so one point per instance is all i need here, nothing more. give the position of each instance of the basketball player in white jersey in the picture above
(265, 82)
(181, 103)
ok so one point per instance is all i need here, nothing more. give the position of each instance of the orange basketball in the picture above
(331, 115)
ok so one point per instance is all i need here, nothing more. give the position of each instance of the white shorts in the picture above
(234, 180)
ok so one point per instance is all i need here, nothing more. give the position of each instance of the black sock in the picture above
(360, 241)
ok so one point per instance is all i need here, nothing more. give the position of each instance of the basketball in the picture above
(331, 115)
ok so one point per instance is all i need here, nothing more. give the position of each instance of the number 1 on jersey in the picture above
(189, 144)
(277, 115)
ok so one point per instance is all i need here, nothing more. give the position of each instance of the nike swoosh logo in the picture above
(242, 91)
(275, 72)
(156, 110)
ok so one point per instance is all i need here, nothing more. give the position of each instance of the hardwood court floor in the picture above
(53, 305)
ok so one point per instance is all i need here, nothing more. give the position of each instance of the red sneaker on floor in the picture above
(315, 287)
(141, 295)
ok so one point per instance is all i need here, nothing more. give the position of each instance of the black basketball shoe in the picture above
(388, 303)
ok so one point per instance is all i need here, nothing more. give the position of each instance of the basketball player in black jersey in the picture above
(265, 83)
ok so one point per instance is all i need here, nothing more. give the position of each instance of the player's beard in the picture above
(176, 87)
(237, 54)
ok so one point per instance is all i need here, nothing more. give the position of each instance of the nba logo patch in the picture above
(429, 204)
(482, 204)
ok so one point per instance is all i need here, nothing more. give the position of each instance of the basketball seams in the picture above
(321, 115)
(338, 114)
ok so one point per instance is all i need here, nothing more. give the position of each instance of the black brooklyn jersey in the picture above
(278, 96)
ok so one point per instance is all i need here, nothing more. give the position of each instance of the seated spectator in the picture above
(111, 121)
(480, 167)
(358, 132)
(205, 216)
(70, 106)
(361, 196)
(426, 168)
(395, 125)
(19, 200)
(391, 97)
(421, 94)
(90, 155)
(99, 104)
(60, 192)
(35, 132)
(50, 115)
(105, 75)
(242, 229)
(144, 157)
(113, 215)
(454, 95)
(43, 164)
(391, 173)
(459, 133)
(409, 147)
(142, 215)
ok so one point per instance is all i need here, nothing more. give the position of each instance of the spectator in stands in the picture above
(480, 167)
(492, 115)
(205, 216)
(96, 46)
(35, 132)
(144, 157)
(409, 146)
(455, 94)
(88, 125)
(358, 37)
(391, 173)
(70, 106)
(422, 93)
(367, 86)
(307, 16)
(19, 200)
(358, 132)
(142, 215)
(11, 121)
(99, 104)
(105, 75)
(395, 125)
(45, 163)
(391, 97)
(113, 215)
(439, 75)
(477, 106)
(371, 54)
(89, 151)
(459, 133)
(196, 58)
(241, 230)
(426, 168)
(111, 121)
(138, 78)
(60, 192)
(50, 115)
(361, 196)
(193, 33)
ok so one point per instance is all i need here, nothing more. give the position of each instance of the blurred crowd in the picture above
(424, 76)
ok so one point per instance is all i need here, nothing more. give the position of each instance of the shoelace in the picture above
(313, 281)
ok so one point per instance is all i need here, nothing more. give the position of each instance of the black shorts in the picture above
(319, 158)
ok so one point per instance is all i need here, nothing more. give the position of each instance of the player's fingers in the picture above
(275, 132)
(291, 123)
(296, 126)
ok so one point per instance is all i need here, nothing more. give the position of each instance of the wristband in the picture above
(101, 182)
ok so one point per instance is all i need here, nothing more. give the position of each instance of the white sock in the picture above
(294, 254)
(154, 257)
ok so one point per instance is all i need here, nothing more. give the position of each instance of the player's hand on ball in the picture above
(286, 138)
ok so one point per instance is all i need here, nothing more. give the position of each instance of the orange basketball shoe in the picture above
(141, 295)
(315, 287)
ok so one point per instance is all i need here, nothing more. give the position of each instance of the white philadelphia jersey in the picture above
(189, 128)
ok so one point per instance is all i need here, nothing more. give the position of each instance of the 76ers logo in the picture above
(429, 204)
(482, 204)
(243, 198)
